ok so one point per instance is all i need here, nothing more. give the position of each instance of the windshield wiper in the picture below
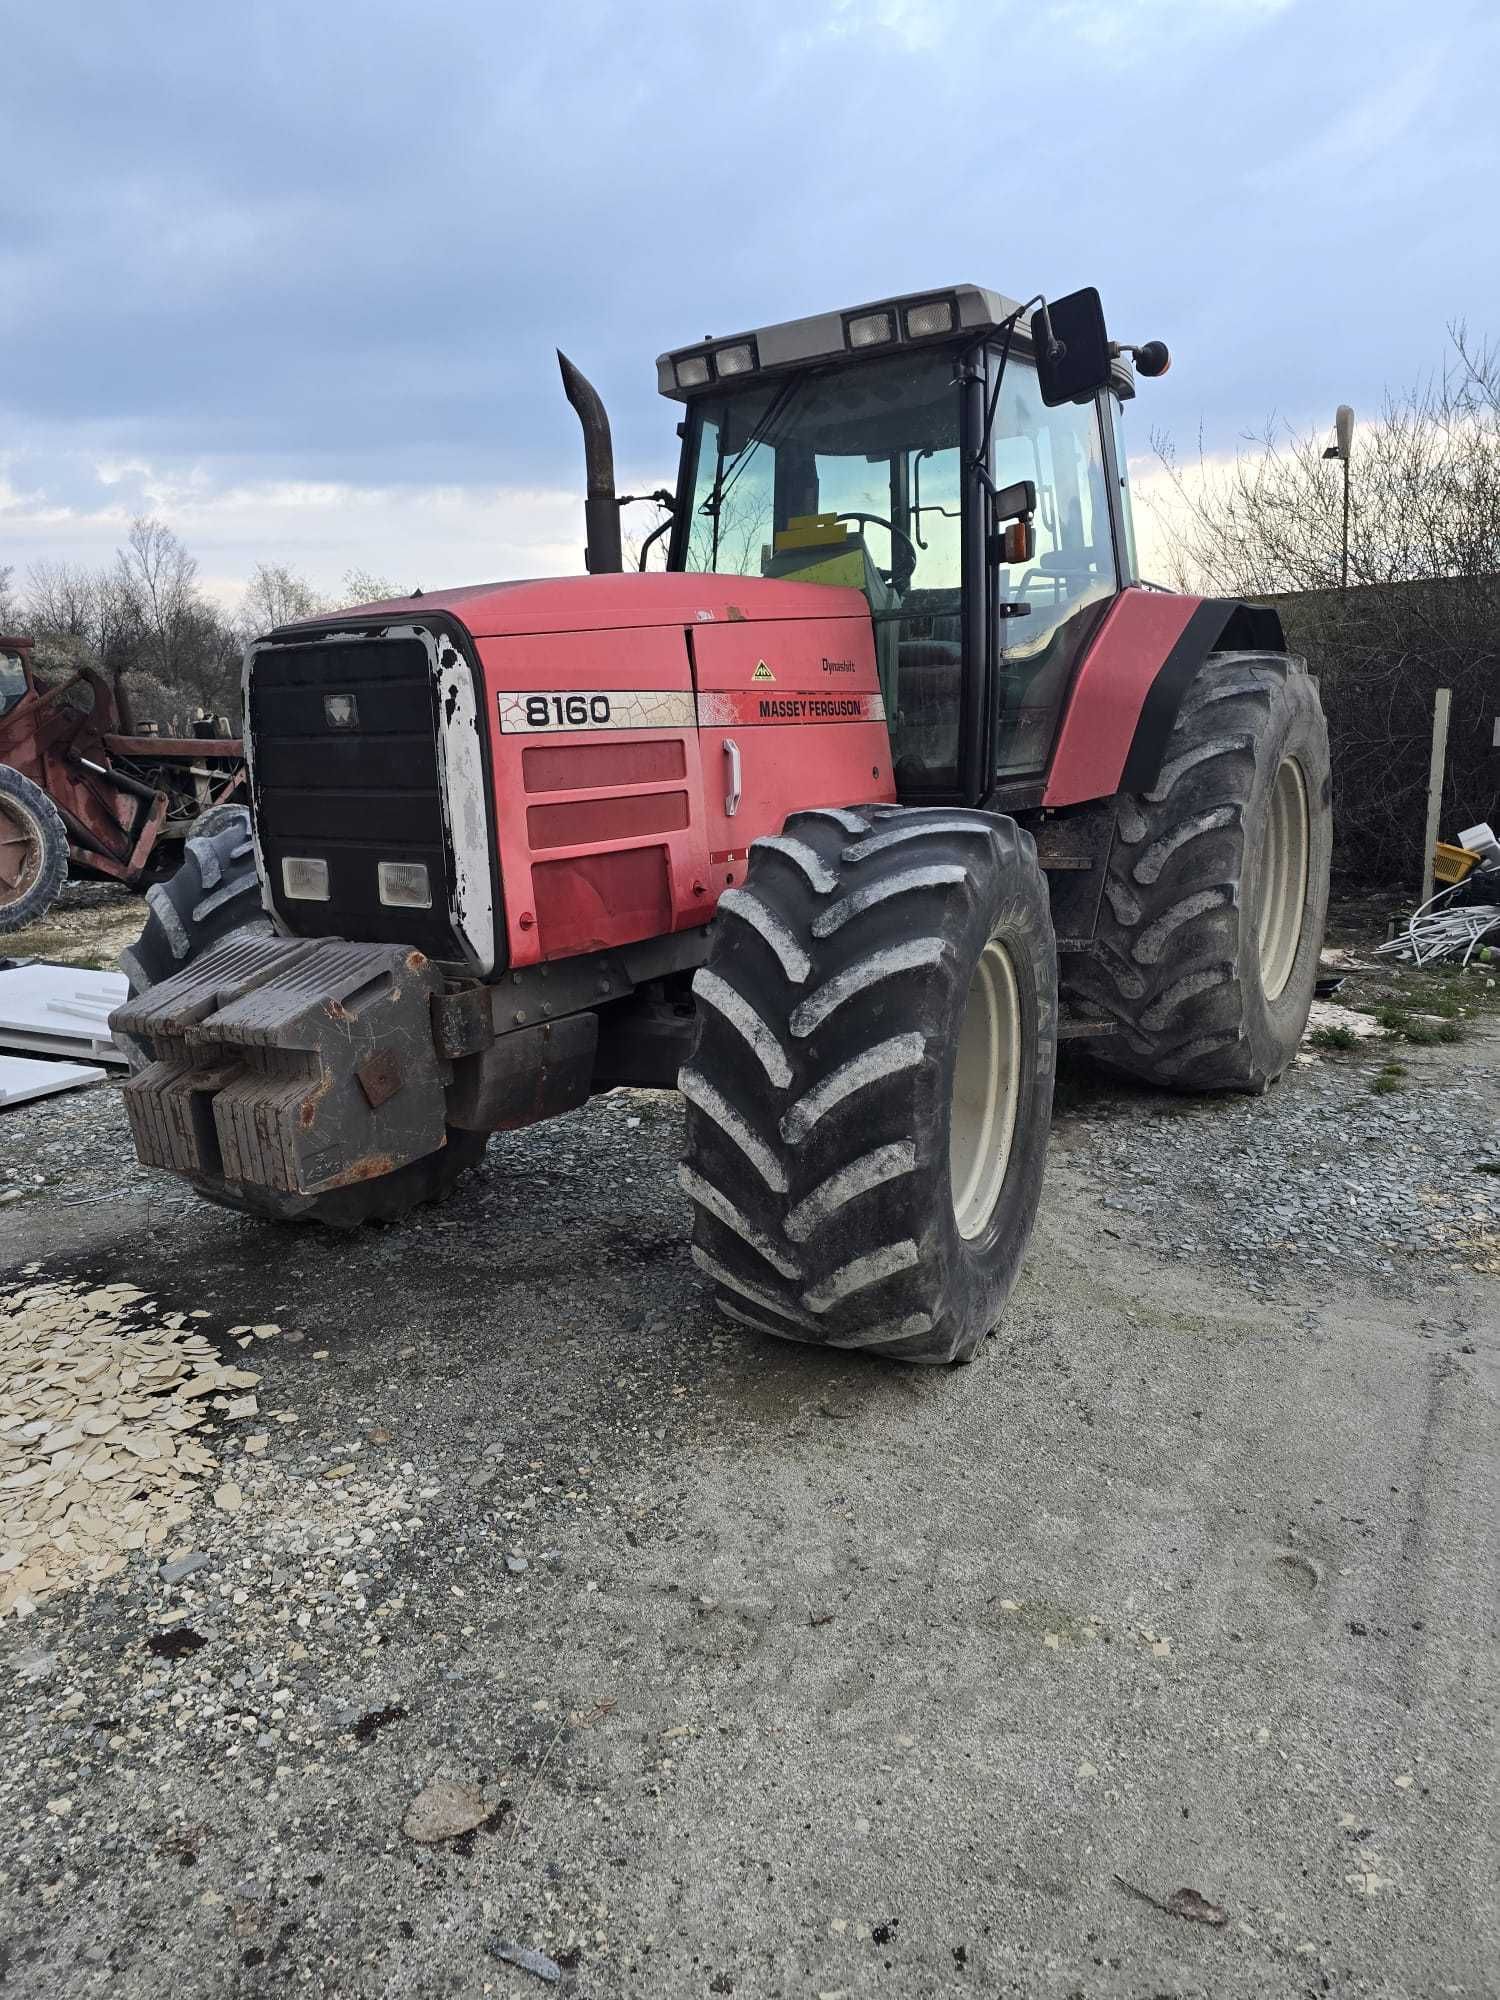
(728, 473)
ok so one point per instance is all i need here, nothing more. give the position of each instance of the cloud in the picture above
(432, 536)
(281, 249)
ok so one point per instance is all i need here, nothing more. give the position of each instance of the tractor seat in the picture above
(925, 739)
(929, 653)
(928, 673)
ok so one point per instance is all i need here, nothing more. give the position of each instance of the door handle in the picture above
(732, 793)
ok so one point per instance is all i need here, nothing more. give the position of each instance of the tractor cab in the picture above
(891, 447)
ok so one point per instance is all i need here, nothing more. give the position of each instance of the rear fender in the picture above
(1131, 682)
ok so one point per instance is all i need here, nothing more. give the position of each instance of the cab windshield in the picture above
(851, 476)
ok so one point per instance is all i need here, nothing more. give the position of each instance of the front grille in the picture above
(351, 796)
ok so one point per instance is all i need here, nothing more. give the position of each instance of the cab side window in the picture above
(1072, 574)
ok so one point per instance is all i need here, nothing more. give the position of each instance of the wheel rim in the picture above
(1283, 877)
(20, 852)
(986, 1086)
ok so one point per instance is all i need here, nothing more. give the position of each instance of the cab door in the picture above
(1043, 612)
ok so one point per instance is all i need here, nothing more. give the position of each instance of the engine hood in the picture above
(599, 603)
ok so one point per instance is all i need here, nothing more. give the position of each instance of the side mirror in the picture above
(1074, 362)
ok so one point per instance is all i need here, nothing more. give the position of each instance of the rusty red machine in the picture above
(78, 794)
(898, 773)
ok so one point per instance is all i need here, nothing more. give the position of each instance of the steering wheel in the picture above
(901, 574)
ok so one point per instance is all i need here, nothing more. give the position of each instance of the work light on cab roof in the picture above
(887, 323)
(894, 776)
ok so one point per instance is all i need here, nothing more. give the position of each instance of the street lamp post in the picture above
(1343, 435)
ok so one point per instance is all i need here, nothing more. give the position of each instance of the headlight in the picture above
(935, 317)
(304, 880)
(404, 885)
(870, 329)
(692, 373)
(736, 360)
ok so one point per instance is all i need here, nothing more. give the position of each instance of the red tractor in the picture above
(896, 775)
(75, 791)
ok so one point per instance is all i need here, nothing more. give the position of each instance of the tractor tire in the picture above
(1216, 888)
(213, 894)
(216, 818)
(870, 1087)
(33, 852)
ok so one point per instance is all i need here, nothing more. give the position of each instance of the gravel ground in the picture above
(554, 1615)
(1318, 1181)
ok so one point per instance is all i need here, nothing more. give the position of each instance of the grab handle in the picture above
(732, 795)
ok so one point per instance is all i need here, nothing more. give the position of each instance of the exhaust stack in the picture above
(601, 510)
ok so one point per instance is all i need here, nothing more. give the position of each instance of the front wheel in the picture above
(213, 894)
(870, 1090)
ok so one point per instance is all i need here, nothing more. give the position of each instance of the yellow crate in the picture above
(1451, 864)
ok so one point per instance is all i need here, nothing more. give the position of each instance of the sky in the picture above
(290, 277)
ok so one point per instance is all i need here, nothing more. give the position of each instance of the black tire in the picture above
(216, 818)
(1177, 959)
(820, 1087)
(33, 852)
(214, 892)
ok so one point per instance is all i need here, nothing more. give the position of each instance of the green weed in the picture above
(1333, 1038)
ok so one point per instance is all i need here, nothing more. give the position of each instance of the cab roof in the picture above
(792, 343)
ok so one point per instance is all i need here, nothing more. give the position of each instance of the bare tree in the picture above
(165, 650)
(1422, 607)
(161, 577)
(84, 618)
(364, 586)
(10, 608)
(59, 600)
(276, 595)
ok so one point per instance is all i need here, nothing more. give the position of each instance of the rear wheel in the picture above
(870, 1089)
(1216, 892)
(33, 851)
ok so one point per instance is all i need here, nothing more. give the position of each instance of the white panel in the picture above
(61, 1010)
(22, 1078)
(471, 907)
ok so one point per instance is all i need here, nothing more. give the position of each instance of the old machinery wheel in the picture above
(33, 851)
